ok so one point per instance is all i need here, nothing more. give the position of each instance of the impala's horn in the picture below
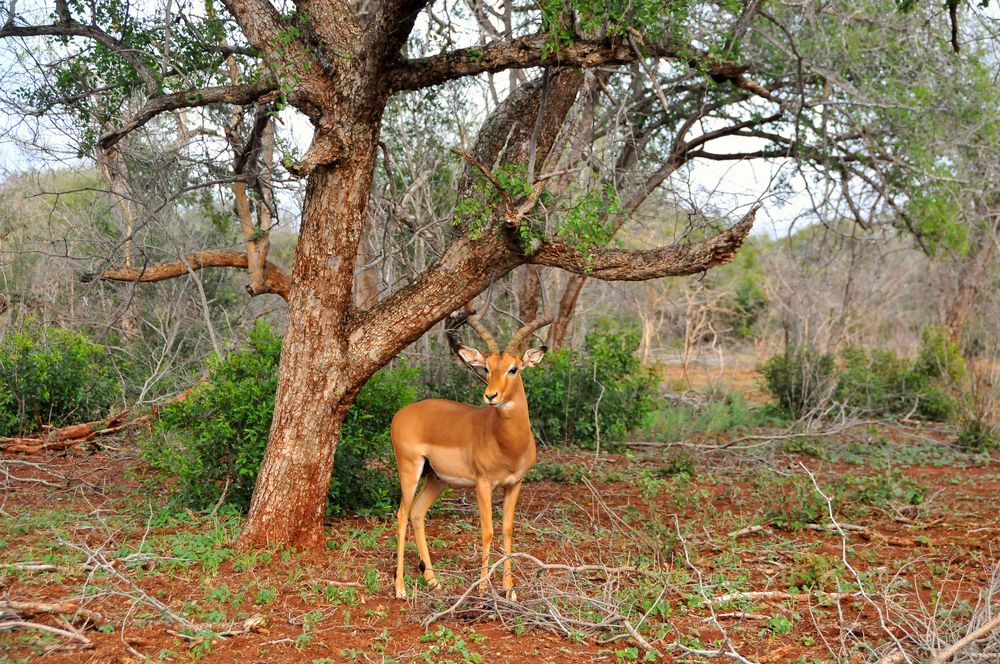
(520, 337)
(476, 324)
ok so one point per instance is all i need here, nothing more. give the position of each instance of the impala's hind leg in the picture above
(409, 475)
(433, 486)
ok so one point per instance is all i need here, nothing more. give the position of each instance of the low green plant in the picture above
(605, 377)
(214, 440)
(801, 379)
(793, 502)
(51, 375)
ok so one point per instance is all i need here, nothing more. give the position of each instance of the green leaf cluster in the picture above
(586, 224)
(214, 440)
(606, 376)
(51, 375)
(565, 21)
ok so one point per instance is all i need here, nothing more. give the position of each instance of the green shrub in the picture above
(873, 382)
(51, 375)
(565, 390)
(879, 383)
(216, 436)
(976, 435)
(800, 380)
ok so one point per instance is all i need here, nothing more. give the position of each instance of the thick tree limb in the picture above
(223, 94)
(631, 265)
(391, 26)
(529, 51)
(277, 281)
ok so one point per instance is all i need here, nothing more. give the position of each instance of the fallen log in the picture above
(62, 438)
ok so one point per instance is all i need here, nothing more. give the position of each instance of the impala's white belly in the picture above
(456, 481)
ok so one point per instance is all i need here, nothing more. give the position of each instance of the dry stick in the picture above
(37, 608)
(24, 624)
(766, 595)
(850, 568)
(954, 649)
(31, 566)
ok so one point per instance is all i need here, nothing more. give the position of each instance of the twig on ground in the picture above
(31, 566)
(769, 595)
(16, 608)
(24, 624)
(972, 637)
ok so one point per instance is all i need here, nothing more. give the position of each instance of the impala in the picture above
(456, 444)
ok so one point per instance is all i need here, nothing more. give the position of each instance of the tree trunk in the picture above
(317, 379)
(567, 305)
(973, 277)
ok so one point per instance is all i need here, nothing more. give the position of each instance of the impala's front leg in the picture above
(484, 496)
(509, 503)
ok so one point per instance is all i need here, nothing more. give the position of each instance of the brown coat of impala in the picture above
(451, 443)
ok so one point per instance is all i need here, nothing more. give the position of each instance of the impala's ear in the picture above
(471, 356)
(533, 356)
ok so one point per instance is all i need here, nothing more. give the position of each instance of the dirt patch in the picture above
(724, 554)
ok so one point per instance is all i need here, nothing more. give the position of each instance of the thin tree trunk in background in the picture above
(531, 291)
(567, 305)
(971, 281)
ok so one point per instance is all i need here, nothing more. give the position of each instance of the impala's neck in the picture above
(511, 424)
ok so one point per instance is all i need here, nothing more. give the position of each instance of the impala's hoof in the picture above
(400, 594)
(511, 595)
(433, 585)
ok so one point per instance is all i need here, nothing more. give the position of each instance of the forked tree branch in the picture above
(632, 265)
(277, 282)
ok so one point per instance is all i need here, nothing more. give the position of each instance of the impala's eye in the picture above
(513, 370)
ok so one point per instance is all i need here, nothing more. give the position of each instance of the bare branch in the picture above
(631, 265)
(68, 27)
(277, 281)
(223, 94)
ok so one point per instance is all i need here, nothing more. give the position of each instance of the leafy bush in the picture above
(564, 391)
(50, 375)
(879, 383)
(873, 382)
(800, 380)
(976, 435)
(214, 440)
